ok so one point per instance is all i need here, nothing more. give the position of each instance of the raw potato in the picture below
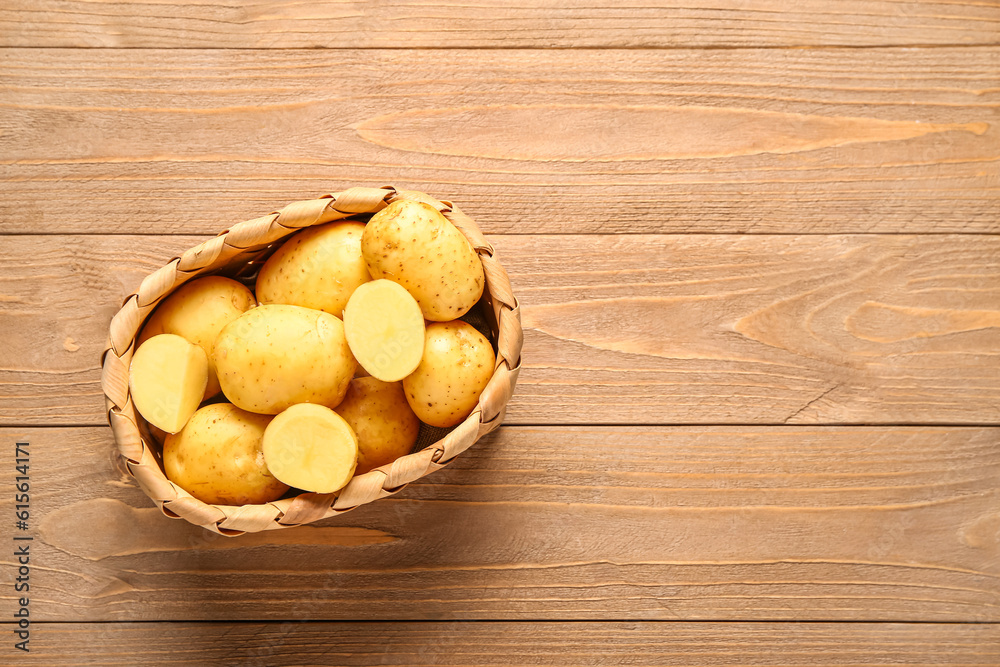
(167, 379)
(319, 268)
(198, 311)
(412, 244)
(457, 365)
(217, 457)
(381, 419)
(311, 447)
(275, 356)
(385, 330)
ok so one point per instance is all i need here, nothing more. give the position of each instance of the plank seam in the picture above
(775, 47)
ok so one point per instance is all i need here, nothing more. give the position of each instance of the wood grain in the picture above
(633, 329)
(545, 23)
(805, 129)
(578, 141)
(471, 643)
(668, 523)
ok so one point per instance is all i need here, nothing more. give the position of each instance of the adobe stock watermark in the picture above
(22, 545)
(390, 351)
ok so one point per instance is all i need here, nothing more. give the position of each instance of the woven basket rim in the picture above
(244, 243)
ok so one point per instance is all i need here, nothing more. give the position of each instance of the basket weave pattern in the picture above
(239, 247)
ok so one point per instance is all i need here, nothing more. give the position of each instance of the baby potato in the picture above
(385, 330)
(457, 365)
(277, 355)
(217, 457)
(167, 379)
(319, 267)
(382, 420)
(412, 244)
(198, 311)
(312, 448)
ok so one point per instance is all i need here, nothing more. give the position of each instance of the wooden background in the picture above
(756, 247)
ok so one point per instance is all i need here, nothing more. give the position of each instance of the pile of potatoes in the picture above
(350, 340)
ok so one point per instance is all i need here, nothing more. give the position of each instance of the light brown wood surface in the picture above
(637, 329)
(547, 23)
(567, 141)
(584, 523)
(463, 643)
(757, 250)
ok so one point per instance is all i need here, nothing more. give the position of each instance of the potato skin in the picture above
(198, 311)
(319, 267)
(277, 355)
(382, 419)
(413, 244)
(457, 365)
(217, 457)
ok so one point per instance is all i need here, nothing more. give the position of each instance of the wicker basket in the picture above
(239, 252)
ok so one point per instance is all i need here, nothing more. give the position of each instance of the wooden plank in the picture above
(471, 643)
(546, 23)
(627, 523)
(630, 329)
(746, 141)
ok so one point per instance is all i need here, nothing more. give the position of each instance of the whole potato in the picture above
(319, 267)
(217, 457)
(275, 356)
(382, 419)
(197, 312)
(412, 244)
(457, 365)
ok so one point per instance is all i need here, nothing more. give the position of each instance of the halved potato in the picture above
(167, 379)
(385, 330)
(198, 311)
(311, 447)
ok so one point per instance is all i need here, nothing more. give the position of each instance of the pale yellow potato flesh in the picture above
(167, 380)
(311, 447)
(275, 356)
(457, 365)
(218, 457)
(319, 267)
(381, 419)
(385, 330)
(413, 244)
(198, 311)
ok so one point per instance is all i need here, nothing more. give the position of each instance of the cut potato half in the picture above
(311, 447)
(385, 330)
(198, 311)
(167, 378)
